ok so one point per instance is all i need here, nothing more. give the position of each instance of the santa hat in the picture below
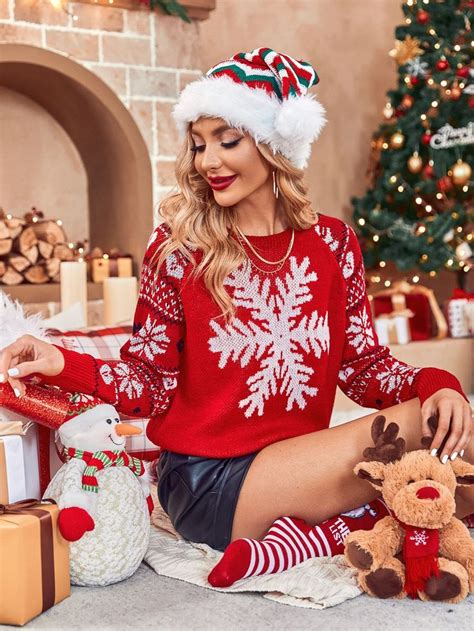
(263, 92)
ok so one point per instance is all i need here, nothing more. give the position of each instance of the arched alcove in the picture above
(107, 138)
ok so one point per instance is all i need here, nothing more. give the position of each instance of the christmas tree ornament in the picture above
(405, 50)
(444, 184)
(463, 251)
(414, 81)
(442, 64)
(426, 138)
(407, 101)
(388, 111)
(397, 140)
(456, 93)
(461, 173)
(470, 101)
(415, 163)
(422, 17)
(449, 236)
(463, 72)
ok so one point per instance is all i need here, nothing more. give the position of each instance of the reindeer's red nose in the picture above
(427, 493)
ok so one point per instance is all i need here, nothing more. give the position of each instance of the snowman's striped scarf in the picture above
(98, 460)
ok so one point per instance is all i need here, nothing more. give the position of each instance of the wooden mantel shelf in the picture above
(48, 292)
(196, 9)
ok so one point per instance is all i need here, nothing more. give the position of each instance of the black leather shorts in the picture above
(200, 494)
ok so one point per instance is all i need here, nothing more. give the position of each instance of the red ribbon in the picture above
(460, 293)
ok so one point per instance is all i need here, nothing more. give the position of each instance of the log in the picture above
(32, 254)
(49, 231)
(45, 249)
(15, 226)
(5, 246)
(25, 241)
(63, 252)
(52, 267)
(36, 274)
(4, 231)
(12, 277)
(18, 262)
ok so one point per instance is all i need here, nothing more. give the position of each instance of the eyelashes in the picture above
(227, 145)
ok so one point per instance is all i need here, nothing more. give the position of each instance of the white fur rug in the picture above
(316, 584)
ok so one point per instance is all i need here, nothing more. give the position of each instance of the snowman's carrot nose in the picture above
(124, 429)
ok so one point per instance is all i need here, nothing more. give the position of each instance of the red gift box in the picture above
(428, 320)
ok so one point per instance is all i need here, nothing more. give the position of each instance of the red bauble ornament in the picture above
(428, 171)
(425, 139)
(414, 81)
(471, 101)
(399, 112)
(442, 64)
(422, 17)
(463, 72)
(444, 184)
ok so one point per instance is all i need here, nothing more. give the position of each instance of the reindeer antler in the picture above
(388, 448)
(433, 425)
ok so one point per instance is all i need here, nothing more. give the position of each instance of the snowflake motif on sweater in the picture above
(274, 336)
(150, 340)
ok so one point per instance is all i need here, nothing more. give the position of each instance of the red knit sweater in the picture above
(220, 391)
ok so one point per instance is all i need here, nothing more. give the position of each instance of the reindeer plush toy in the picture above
(421, 549)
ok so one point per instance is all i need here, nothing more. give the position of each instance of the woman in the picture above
(252, 308)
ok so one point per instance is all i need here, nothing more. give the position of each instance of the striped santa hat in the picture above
(264, 93)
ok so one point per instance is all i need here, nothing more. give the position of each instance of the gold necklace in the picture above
(261, 257)
(256, 266)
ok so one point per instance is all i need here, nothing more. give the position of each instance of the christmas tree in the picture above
(419, 209)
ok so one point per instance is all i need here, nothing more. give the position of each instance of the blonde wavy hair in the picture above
(197, 221)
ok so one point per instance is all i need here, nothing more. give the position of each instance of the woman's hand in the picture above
(28, 355)
(455, 422)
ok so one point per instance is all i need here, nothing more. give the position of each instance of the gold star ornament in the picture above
(406, 50)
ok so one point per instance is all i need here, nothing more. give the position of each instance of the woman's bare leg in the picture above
(312, 477)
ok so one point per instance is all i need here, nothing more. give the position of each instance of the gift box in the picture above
(34, 568)
(12, 469)
(459, 311)
(104, 265)
(428, 320)
(394, 327)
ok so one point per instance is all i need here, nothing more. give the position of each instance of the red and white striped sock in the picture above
(291, 541)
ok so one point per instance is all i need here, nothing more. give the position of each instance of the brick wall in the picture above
(146, 58)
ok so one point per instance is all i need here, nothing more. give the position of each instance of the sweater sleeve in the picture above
(142, 382)
(369, 374)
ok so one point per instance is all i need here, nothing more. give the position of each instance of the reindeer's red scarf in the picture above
(420, 555)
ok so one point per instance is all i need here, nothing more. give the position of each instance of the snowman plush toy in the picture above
(103, 494)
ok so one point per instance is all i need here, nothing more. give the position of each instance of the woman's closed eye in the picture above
(227, 145)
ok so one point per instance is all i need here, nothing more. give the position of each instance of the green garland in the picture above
(171, 7)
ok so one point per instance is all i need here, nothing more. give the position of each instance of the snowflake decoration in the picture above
(417, 68)
(327, 236)
(274, 336)
(121, 375)
(151, 340)
(419, 537)
(395, 376)
(360, 333)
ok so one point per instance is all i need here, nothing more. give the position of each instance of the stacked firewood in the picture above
(31, 248)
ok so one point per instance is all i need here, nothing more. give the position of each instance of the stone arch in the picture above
(111, 146)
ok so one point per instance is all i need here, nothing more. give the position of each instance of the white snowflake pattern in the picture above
(345, 374)
(416, 67)
(419, 537)
(360, 333)
(151, 340)
(395, 376)
(273, 336)
(121, 375)
(327, 236)
(348, 266)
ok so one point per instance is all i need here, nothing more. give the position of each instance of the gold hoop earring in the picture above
(275, 186)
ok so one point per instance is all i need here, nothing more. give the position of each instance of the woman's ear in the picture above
(464, 472)
(373, 471)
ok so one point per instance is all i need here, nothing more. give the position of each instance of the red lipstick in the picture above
(220, 183)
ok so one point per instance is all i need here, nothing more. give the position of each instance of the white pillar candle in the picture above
(120, 299)
(73, 276)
